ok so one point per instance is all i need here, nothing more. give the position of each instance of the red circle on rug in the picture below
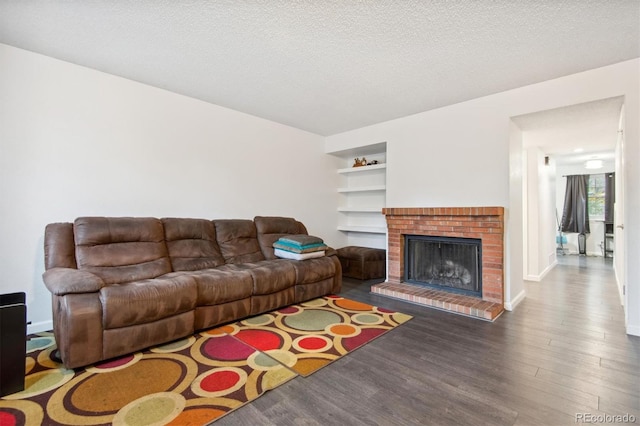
(7, 419)
(219, 381)
(113, 363)
(385, 311)
(226, 348)
(289, 310)
(260, 339)
(312, 343)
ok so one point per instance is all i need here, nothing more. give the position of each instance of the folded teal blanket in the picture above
(300, 240)
(308, 248)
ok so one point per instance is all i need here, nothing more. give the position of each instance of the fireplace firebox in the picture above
(445, 263)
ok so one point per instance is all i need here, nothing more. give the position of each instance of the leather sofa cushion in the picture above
(269, 276)
(121, 249)
(271, 228)
(146, 301)
(218, 286)
(192, 244)
(314, 270)
(238, 240)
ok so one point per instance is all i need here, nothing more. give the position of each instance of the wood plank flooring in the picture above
(563, 351)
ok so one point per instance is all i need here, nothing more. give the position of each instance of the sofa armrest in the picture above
(330, 251)
(61, 281)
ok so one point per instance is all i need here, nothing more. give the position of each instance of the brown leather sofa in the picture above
(123, 284)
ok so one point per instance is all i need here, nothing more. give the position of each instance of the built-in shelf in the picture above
(362, 192)
(363, 188)
(373, 149)
(362, 168)
(363, 229)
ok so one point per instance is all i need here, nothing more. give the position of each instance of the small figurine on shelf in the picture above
(358, 162)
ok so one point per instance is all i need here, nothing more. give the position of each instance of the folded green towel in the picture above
(309, 248)
(301, 239)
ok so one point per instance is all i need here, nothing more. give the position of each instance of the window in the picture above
(596, 196)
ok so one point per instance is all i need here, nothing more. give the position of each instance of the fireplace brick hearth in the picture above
(484, 223)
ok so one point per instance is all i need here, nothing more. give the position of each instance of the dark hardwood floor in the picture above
(563, 352)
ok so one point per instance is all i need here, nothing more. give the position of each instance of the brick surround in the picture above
(484, 223)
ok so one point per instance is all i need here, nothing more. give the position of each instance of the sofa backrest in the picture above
(238, 240)
(121, 249)
(59, 246)
(192, 244)
(271, 228)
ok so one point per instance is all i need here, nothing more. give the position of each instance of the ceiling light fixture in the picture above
(593, 164)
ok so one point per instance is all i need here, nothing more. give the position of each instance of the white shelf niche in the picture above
(363, 196)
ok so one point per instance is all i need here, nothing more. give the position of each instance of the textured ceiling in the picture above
(329, 66)
(591, 127)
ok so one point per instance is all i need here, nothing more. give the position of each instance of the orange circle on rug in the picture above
(225, 329)
(343, 330)
(98, 393)
(352, 305)
(196, 416)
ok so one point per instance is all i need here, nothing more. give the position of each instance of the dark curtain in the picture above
(575, 217)
(609, 196)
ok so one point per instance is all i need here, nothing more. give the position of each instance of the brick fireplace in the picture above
(483, 223)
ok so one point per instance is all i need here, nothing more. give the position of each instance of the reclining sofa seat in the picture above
(123, 284)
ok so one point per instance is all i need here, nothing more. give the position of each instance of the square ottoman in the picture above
(363, 263)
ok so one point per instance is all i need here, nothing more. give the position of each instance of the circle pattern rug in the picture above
(196, 380)
(188, 382)
(310, 335)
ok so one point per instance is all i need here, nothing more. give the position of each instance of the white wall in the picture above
(540, 196)
(515, 215)
(460, 155)
(75, 142)
(620, 258)
(596, 238)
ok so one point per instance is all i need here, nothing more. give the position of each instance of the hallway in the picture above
(577, 308)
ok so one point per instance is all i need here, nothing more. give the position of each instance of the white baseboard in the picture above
(619, 284)
(633, 330)
(538, 278)
(511, 305)
(39, 327)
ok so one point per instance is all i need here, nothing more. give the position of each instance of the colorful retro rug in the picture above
(196, 380)
(188, 382)
(310, 335)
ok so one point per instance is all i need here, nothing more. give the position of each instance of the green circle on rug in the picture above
(312, 320)
(369, 319)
